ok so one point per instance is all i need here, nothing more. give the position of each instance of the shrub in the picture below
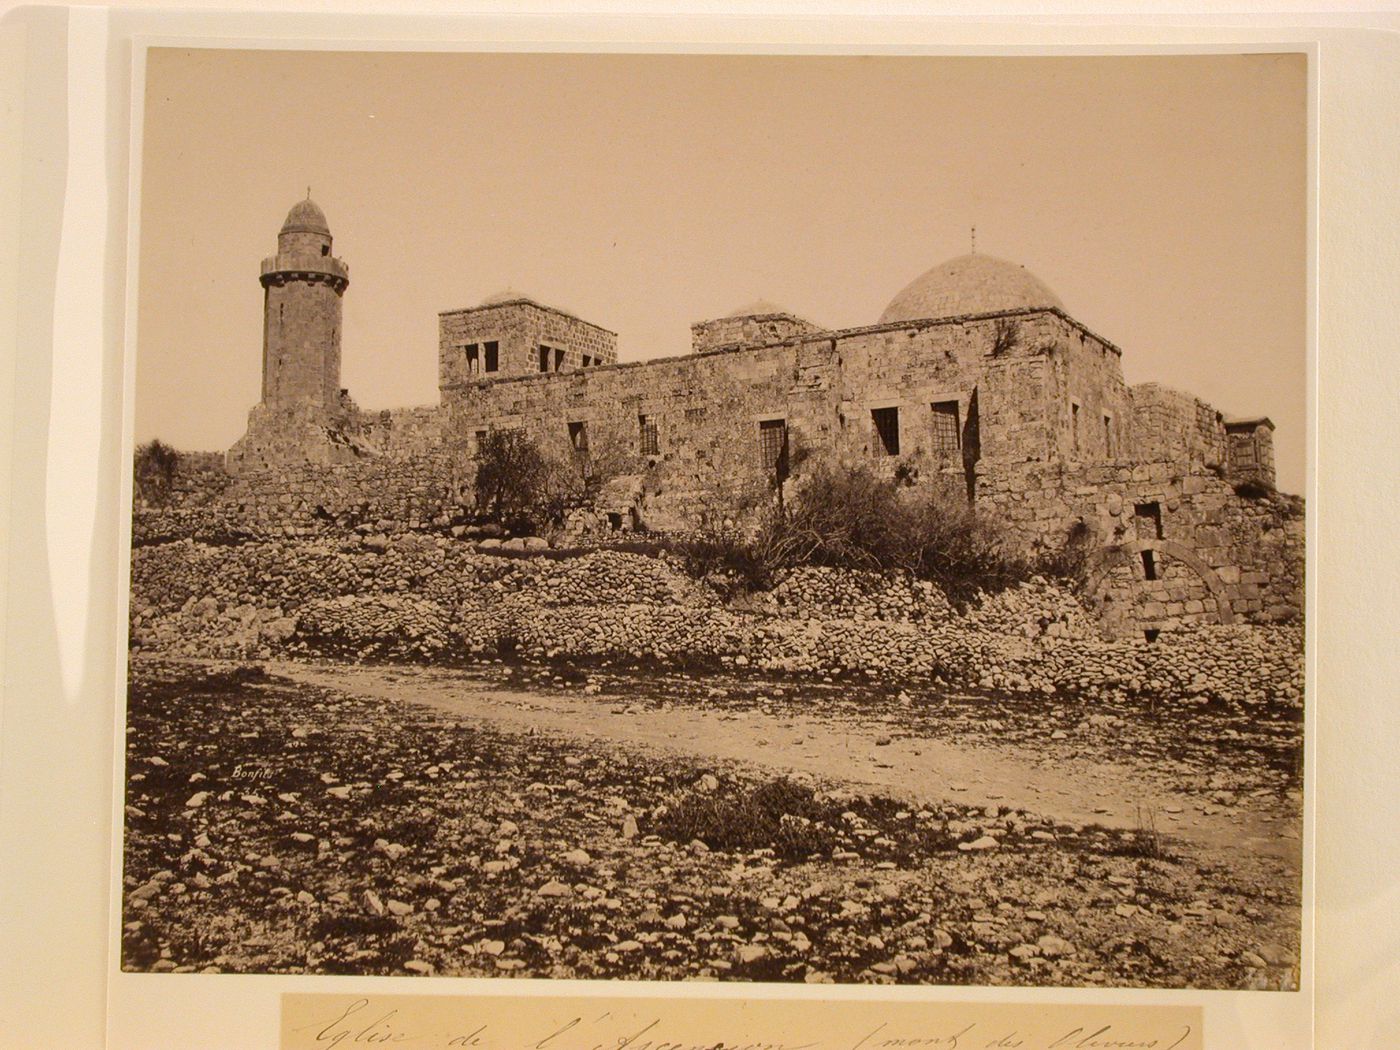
(847, 517)
(1253, 489)
(155, 464)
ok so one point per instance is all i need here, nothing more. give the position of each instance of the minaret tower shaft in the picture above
(302, 288)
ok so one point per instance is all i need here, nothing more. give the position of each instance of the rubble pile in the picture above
(419, 597)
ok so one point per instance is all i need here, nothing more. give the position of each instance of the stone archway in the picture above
(1128, 554)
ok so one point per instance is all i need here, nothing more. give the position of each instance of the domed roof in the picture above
(758, 308)
(506, 295)
(306, 217)
(970, 284)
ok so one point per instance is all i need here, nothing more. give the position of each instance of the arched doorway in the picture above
(1144, 586)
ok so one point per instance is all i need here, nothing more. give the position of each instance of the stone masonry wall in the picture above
(1171, 425)
(519, 327)
(1206, 542)
(731, 333)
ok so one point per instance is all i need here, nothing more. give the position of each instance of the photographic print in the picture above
(754, 518)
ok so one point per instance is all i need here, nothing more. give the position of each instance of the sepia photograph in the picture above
(711, 517)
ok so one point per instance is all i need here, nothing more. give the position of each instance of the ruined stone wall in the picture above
(391, 473)
(519, 327)
(731, 333)
(1171, 425)
(383, 494)
(1212, 554)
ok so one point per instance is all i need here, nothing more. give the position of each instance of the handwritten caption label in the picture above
(444, 1022)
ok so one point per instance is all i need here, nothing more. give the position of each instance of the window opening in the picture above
(578, 437)
(1074, 425)
(650, 439)
(772, 443)
(493, 357)
(1149, 519)
(473, 359)
(1149, 565)
(945, 428)
(887, 430)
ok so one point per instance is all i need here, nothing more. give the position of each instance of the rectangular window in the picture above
(480, 440)
(551, 359)
(1149, 520)
(695, 415)
(493, 356)
(886, 430)
(586, 361)
(946, 438)
(1074, 425)
(1149, 565)
(1245, 453)
(1108, 435)
(578, 437)
(650, 440)
(772, 444)
(473, 359)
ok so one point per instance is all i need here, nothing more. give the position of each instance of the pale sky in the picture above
(1163, 198)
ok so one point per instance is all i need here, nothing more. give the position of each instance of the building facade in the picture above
(975, 377)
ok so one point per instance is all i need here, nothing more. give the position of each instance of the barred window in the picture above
(650, 440)
(945, 428)
(772, 443)
(887, 430)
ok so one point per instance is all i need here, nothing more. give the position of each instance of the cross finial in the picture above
(974, 240)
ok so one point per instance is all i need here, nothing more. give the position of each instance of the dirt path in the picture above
(924, 768)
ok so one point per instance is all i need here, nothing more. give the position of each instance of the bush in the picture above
(849, 518)
(155, 464)
(522, 488)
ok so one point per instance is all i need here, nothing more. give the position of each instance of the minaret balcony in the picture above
(304, 266)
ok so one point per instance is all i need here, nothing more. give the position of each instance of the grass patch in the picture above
(780, 815)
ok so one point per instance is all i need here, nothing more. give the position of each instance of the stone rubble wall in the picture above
(1176, 426)
(422, 598)
(732, 333)
(1254, 547)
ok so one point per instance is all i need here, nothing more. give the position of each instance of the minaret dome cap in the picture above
(306, 217)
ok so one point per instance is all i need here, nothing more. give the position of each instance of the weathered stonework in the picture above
(1007, 396)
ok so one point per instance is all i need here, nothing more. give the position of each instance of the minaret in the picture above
(302, 286)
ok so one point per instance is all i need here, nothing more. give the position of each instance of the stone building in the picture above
(975, 377)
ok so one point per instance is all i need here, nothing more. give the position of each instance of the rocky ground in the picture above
(275, 825)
